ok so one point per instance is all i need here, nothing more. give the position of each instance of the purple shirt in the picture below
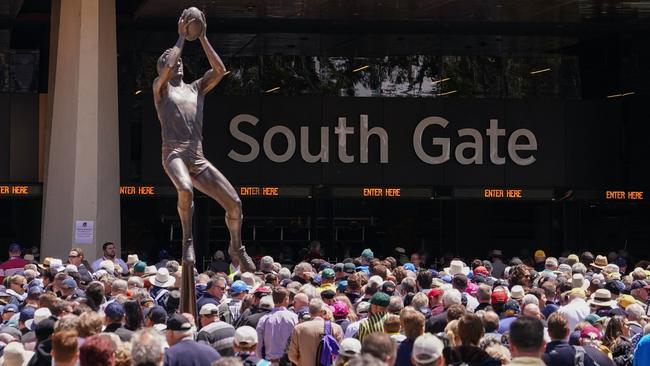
(273, 332)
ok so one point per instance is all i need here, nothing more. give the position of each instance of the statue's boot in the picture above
(246, 263)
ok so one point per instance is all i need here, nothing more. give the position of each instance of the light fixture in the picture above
(540, 71)
(273, 89)
(447, 93)
(439, 81)
(361, 68)
(620, 95)
(138, 92)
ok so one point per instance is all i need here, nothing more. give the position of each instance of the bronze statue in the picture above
(180, 111)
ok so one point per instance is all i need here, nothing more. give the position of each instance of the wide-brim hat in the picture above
(600, 262)
(602, 297)
(456, 267)
(150, 271)
(579, 281)
(163, 279)
(132, 259)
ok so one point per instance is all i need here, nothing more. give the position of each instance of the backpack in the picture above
(328, 347)
(579, 359)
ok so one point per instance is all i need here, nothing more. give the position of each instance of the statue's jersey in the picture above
(180, 112)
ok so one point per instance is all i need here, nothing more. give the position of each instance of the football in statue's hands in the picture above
(195, 28)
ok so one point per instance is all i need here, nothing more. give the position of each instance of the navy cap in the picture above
(26, 314)
(35, 290)
(114, 311)
(14, 247)
(178, 322)
(157, 314)
(10, 308)
(69, 283)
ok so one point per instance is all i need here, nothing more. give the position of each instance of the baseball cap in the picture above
(328, 274)
(499, 296)
(69, 283)
(139, 266)
(388, 287)
(380, 299)
(481, 270)
(158, 314)
(209, 309)
(26, 314)
(238, 287)
(363, 307)
(512, 305)
(427, 348)
(591, 332)
(114, 311)
(266, 303)
(178, 322)
(350, 347)
(592, 318)
(410, 267)
(539, 253)
(626, 300)
(10, 308)
(262, 291)
(245, 336)
(340, 309)
(339, 267)
(349, 268)
(342, 286)
(367, 253)
(436, 291)
(637, 284)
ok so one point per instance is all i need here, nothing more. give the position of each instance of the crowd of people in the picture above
(570, 310)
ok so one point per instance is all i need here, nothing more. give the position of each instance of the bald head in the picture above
(532, 310)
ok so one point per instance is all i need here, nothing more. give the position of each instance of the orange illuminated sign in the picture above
(15, 190)
(503, 193)
(137, 191)
(624, 195)
(259, 191)
(381, 192)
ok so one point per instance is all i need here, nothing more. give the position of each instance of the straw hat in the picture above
(602, 297)
(163, 279)
(579, 281)
(14, 354)
(150, 271)
(456, 267)
(600, 262)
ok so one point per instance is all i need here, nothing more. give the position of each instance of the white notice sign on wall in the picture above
(84, 232)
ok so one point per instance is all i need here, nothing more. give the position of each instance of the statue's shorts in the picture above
(193, 158)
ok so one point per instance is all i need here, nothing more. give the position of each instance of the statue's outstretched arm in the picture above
(166, 74)
(213, 76)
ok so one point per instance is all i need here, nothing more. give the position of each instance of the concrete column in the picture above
(82, 172)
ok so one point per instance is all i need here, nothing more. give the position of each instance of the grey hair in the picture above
(284, 273)
(147, 347)
(119, 286)
(310, 291)
(451, 297)
(579, 268)
(396, 304)
(302, 267)
(420, 300)
(66, 322)
(315, 306)
(366, 359)
(136, 282)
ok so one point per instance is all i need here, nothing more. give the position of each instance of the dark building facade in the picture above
(441, 126)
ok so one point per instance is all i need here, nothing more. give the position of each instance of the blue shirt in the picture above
(642, 352)
(504, 324)
(404, 353)
(190, 353)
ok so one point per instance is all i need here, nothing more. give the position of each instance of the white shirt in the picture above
(575, 311)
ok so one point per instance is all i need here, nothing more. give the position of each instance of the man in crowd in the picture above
(15, 263)
(378, 313)
(114, 321)
(214, 332)
(275, 328)
(306, 336)
(558, 351)
(184, 350)
(527, 342)
(110, 255)
(214, 290)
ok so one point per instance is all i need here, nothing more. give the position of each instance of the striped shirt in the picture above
(219, 335)
(375, 323)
